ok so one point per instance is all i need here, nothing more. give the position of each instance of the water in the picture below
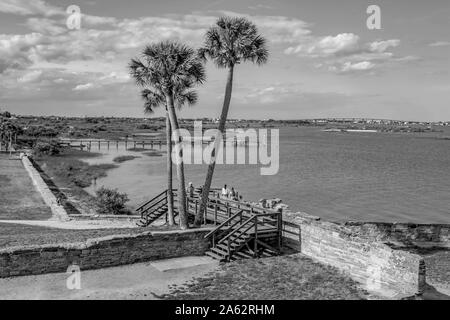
(337, 176)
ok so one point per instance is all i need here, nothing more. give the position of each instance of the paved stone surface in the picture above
(184, 262)
(136, 281)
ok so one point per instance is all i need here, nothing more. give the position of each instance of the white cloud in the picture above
(17, 51)
(326, 46)
(29, 7)
(382, 46)
(359, 66)
(344, 53)
(440, 44)
(82, 87)
(30, 76)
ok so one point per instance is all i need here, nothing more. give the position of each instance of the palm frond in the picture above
(168, 68)
(233, 40)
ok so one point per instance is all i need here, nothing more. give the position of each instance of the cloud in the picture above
(382, 46)
(353, 67)
(326, 46)
(440, 44)
(345, 53)
(82, 87)
(17, 51)
(27, 7)
(260, 6)
(277, 29)
(30, 76)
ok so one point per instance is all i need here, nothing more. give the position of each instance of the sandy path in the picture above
(75, 224)
(135, 281)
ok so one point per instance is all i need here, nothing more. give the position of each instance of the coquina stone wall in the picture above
(403, 234)
(58, 211)
(102, 252)
(367, 259)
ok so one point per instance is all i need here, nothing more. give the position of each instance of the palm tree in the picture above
(231, 41)
(166, 67)
(154, 99)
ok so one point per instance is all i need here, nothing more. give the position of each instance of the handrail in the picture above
(237, 203)
(154, 198)
(222, 224)
(235, 230)
(155, 205)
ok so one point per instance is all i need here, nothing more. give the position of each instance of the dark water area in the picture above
(337, 176)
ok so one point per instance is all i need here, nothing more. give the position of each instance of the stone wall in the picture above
(58, 211)
(403, 234)
(376, 265)
(102, 252)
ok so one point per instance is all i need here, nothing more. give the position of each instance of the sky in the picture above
(324, 61)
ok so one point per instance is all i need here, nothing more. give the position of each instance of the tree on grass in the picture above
(154, 98)
(231, 41)
(166, 67)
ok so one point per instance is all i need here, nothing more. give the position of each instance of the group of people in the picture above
(230, 194)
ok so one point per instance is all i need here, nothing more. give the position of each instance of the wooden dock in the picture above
(98, 144)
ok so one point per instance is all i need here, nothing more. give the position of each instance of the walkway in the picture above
(19, 199)
(135, 281)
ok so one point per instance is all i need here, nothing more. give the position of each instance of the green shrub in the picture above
(51, 148)
(120, 159)
(111, 201)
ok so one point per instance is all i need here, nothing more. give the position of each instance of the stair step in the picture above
(219, 251)
(214, 255)
(233, 245)
(243, 254)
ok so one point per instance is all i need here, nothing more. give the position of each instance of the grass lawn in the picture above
(19, 199)
(275, 278)
(12, 235)
(67, 176)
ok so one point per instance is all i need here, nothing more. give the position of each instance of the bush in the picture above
(41, 131)
(6, 114)
(111, 201)
(51, 148)
(145, 126)
(120, 159)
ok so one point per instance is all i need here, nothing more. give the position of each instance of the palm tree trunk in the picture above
(180, 166)
(169, 171)
(212, 165)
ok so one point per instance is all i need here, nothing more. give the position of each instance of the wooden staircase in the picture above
(241, 230)
(153, 209)
(246, 234)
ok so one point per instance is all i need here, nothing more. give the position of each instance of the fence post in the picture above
(256, 237)
(229, 251)
(215, 214)
(205, 213)
(280, 231)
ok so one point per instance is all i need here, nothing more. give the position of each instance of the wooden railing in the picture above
(236, 222)
(235, 230)
(150, 205)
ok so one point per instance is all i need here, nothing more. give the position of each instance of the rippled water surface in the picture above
(337, 176)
